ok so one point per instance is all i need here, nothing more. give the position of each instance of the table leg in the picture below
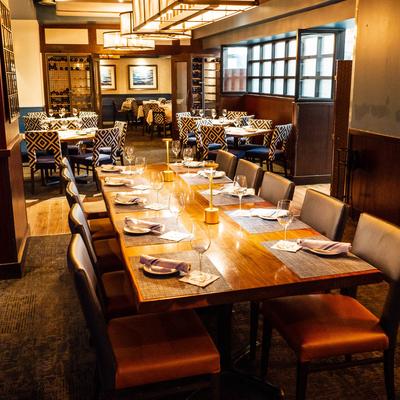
(236, 142)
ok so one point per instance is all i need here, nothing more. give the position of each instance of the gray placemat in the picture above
(259, 225)
(194, 179)
(309, 265)
(119, 208)
(153, 287)
(224, 199)
(124, 188)
(152, 238)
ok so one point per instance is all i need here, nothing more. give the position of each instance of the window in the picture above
(234, 69)
(317, 56)
(272, 68)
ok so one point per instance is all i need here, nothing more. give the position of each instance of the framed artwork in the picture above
(142, 76)
(108, 79)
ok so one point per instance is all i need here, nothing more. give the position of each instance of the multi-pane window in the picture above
(234, 69)
(272, 68)
(317, 55)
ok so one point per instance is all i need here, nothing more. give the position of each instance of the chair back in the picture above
(77, 222)
(226, 162)
(159, 117)
(212, 134)
(72, 194)
(188, 125)
(67, 176)
(32, 123)
(43, 141)
(235, 114)
(123, 128)
(89, 121)
(275, 187)
(378, 242)
(86, 286)
(37, 114)
(252, 172)
(325, 214)
(199, 123)
(105, 138)
(86, 113)
(135, 108)
(279, 139)
(262, 124)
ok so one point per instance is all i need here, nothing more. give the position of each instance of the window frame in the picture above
(232, 93)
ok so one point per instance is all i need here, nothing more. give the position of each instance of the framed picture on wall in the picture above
(108, 79)
(142, 76)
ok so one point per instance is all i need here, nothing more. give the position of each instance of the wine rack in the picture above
(69, 82)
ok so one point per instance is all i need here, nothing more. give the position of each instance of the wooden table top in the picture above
(242, 132)
(73, 136)
(251, 271)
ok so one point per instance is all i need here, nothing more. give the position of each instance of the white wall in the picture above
(163, 68)
(28, 62)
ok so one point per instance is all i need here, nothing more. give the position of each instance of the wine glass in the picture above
(200, 242)
(193, 112)
(188, 155)
(201, 113)
(62, 112)
(176, 148)
(51, 112)
(140, 165)
(214, 113)
(64, 124)
(284, 214)
(176, 205)
(74, 112)
(224, 112)
(240, 188)
(129, 153)
(237, 122)
(156, 183)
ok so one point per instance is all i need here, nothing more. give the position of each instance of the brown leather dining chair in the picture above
(275, 187)
(226, 162)
(325, 214)
(319, 326)
(105, 253)
(252, 172)
(146, 353)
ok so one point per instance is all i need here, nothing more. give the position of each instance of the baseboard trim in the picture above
(311, 179)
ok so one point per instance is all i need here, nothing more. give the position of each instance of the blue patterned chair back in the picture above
(89, 121)
(43, 141)
(210, 135)
(235, 114)
(32, 123)
(199, 124)
(105, 138)
(279, 139)
(188, 125)
(262, 124)
(123, 128)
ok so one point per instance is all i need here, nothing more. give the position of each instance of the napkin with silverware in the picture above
(326, 245)
(133, 223)
(127, 198)
(164, 264)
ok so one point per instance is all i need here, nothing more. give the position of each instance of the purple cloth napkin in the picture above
(327, 245)
(155, 227)
(164, 264)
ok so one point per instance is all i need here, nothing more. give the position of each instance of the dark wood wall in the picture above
(375, 175)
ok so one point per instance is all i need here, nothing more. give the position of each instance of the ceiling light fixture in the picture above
(113, 40)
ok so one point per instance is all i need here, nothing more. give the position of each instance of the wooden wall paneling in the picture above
(375, 176)
(313, 148)
(341, 128)
(231, 102)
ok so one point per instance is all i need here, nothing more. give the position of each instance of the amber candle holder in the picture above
(168, 175)
(211, 215)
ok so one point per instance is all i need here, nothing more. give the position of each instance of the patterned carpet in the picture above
(45, 352)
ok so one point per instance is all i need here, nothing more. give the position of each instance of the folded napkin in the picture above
(216, 174)
(110, 180)
(193, 164)
(229, 189)
(164, 264)
(133, 223)
(269, 213)
(328, 245)
(127, 198)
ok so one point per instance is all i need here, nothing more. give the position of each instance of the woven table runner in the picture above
(152, 238)
(124, 188)
(155, 287)
(194, 179)
(224, 199)
(259, 225)
(309, 265)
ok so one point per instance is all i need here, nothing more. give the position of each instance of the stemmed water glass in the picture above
(176, 205)
(201, 113)
(129, 154)
(188, 155)
(224, 112)
(156, 183)
(64, 124)
(140, 165)
(284, 214)
(51, 112)
(240, 188)
(176, 148)
(61, 113)
(193, 112)
(74, 112)
(200, 242)
(214, 113)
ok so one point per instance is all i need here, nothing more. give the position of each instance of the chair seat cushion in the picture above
(324, 325)
(258, 152)
(118, 294)
(191, 141)
(87, 158)
(238, 153)
(95, 209)
(101, 228)
(46, 161)
(249, 146)
(161, 347)
(108, 253)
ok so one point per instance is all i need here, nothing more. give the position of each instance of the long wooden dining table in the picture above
(248, 270)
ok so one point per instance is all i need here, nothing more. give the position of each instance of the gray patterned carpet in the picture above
(45, 352)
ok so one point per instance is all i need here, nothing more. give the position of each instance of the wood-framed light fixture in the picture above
(112, 40)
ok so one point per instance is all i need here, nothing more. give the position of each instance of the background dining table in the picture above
(239, 132)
